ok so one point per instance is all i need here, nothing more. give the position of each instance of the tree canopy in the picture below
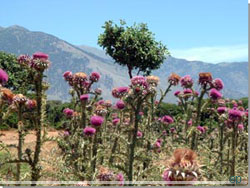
(17, 75)
(132, 46)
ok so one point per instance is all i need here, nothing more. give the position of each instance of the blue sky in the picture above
(208, 30)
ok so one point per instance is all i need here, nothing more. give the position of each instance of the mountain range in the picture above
(65, 56)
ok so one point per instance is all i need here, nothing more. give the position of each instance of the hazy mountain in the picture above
(65, 56)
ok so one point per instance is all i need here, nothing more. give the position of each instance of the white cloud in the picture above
(215, 54)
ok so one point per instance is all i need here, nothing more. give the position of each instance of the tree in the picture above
(134, 47)
(17, 75)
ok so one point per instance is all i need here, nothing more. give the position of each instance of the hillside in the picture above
(65, 56)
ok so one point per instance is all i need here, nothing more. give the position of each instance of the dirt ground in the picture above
(11, 136)
(49, 151)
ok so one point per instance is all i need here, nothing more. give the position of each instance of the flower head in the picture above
(215, 94)
(186, 81)
(177, 93)
(31, 104)
(196, 93)
(174, 79)
(190, 122)
(241, 127)
(116, 121)
(120, 178)
(139, 81)
(7, 94)
(98, 91)
(96, 120)
(120, 104)
(201, 129)
(68, 76)
(172, 130)
(120, 92)
(89, 131)
(100, 110)
(79, 78)
(107, 103)
(105, 174)
(139, 134)
(221, 110)
(167, 120)
(218, 84)
(159, 140)
(19, 99)
(24, 60)
(235, 114)
(95, 76)
(141, 113)
(84, 97)
(152, 80)
(3, 77)
(187, 91)
(68, 112)
(100, 102)
(39, 64)
(157, 144)
(66, 133)
(40, 55)
(205, 78)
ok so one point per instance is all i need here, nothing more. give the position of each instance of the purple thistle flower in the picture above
(172, 129)
(141, 113)
(96, 120)
(68, 112)
(68, 76)
(40, 55)
(167, 120)
(95, 76)
(157, 144)
(24, 60)
(115, 93)
(89, 131)
(31, 104)
(98, 91)
(139, 81)
(215, 94)
(100, 102)
(218, 84)
(115, 121)
(120, 178)
(187, 91)
(190, 122)
(235, 114)
(159, 140)
(186, 81)
(139, 134)
(122, 90)
(201, 129)
(84, 97)
(177, 93)
(66, 133)
(3, 77)
(221, 110)
(120, 104)
(241, 127)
